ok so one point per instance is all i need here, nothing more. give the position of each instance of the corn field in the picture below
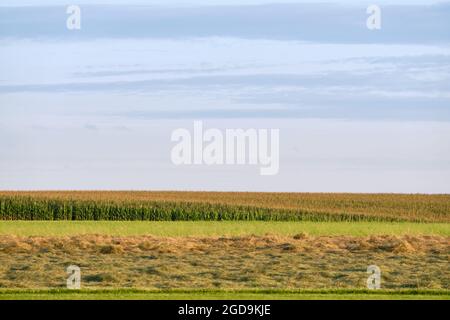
(216, 206)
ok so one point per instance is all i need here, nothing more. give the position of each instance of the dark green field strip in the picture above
(113, 294)
(25, 207)
(231, 291)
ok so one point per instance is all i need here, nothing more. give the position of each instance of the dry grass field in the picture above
(250, 262)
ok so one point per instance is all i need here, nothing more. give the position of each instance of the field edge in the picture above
(217, 294)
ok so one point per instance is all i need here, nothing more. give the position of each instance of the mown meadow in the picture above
(228, 263)
(223, 245)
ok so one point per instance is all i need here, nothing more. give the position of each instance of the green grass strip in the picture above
(266, 294)
(218, 228)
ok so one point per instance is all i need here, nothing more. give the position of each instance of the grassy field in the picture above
(157, 206)
(208, 245)
(224, 295)
(219, 228)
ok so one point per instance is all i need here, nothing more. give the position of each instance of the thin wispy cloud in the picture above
(333, 23)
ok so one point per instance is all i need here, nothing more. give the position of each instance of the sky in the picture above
(179, 3)
(358, 110)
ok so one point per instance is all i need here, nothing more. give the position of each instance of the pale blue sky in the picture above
(70, 101)
(205, 2)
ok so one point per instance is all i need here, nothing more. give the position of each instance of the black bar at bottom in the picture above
(226, 309)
